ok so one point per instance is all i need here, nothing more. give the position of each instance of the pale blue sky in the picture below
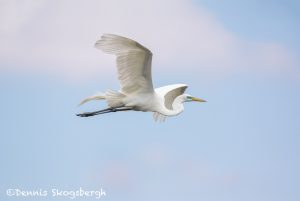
(259, 20)
(243, 144)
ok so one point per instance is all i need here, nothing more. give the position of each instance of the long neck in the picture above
(177, 107)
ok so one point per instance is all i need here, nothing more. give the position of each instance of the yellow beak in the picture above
(198, 99)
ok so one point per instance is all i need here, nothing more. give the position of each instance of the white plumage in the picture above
(136, 88)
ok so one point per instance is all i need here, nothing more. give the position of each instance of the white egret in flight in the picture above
(137, 92)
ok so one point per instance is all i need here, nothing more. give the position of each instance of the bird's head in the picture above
(189, 98)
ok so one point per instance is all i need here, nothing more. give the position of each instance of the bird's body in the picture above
(136, 88)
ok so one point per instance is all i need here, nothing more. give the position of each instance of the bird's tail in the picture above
(98, 96)
(114, 99)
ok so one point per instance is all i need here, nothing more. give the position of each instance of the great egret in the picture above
(137, 92)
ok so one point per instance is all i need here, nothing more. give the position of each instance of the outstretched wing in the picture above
(170, 92)
(133, 63)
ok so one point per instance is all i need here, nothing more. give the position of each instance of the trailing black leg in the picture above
(107, 110)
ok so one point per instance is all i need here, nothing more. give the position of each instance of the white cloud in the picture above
(58, 37)
(15, 14)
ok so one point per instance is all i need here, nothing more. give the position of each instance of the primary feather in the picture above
(133, 63)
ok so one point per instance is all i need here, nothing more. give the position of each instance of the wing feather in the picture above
(133, 63)
(170, 92)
